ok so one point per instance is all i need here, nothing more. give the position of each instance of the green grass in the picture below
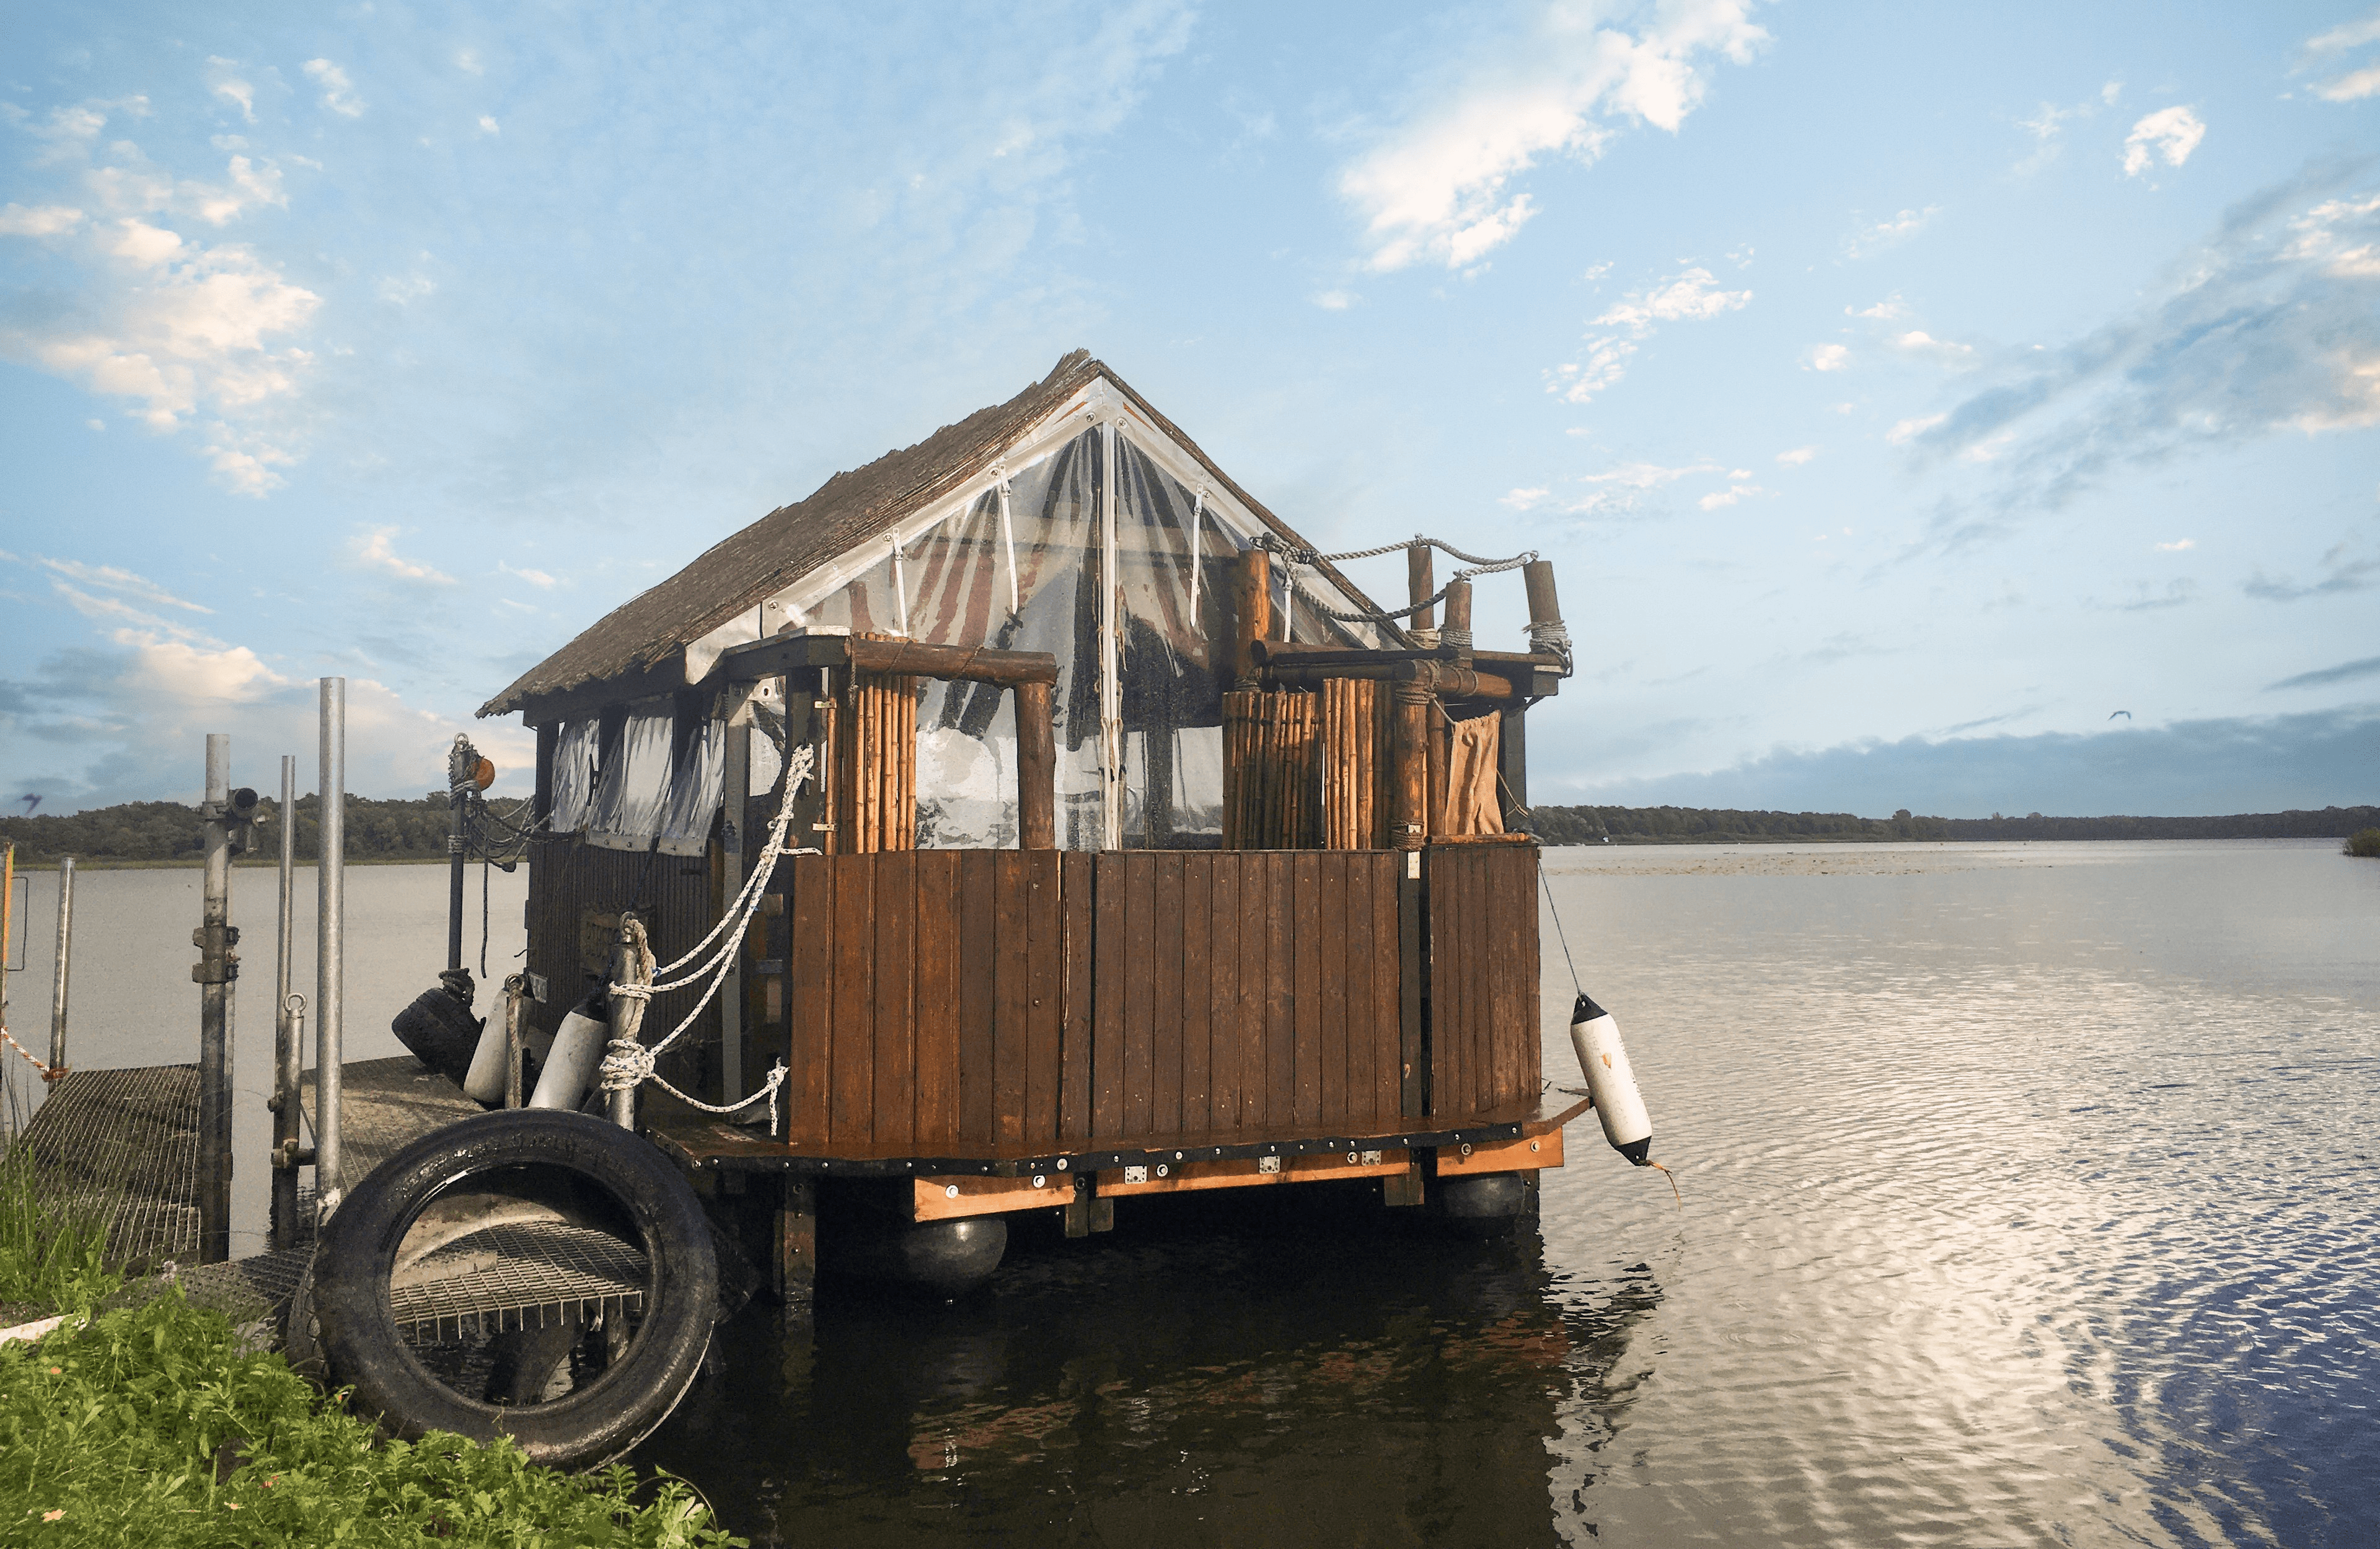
(2365, 842)
(150, 1426)
(52, 1255)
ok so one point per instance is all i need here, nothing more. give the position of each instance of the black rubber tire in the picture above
(1480, 1205)
(358, 1336)
(440, 1031)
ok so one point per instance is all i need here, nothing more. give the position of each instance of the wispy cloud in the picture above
(1439, 188)
(2342, 571)
(2322, 50)
(2169, 134)
(1797, 457)
(110, 578)
(1687, 296)
(2322, 677)
(376, 549)
(2178, 545)
(338, 92)
(535, 578)
(1874, 237)
(2269, 324)
(1523, 500)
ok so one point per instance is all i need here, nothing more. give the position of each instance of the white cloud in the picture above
(112, 578)
(1688, 297)
(1645, 475)
(488, 124)
(2354, 86)
(233, 89)
(401, 289)
(1909, 430)
(1335, 300)
(40, 220)
(2178, 545)
(2318, 238)
(2170, 132)
(1828, 358)
(1918, 342)
(1886, 310)
(1523, 500)
(1438, 187)
(374, 550)
(467, 60)
(535, 578)
(1798, 457)
(1877, 236)
(338, 92)
(1730, 496)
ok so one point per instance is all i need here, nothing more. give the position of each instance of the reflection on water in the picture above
(2031, 1197)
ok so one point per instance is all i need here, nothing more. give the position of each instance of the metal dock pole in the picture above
(214, 971)
(461, 765)
(289, 1059)
(58, 984)
(331, 887)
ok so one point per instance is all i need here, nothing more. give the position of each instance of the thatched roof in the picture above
(735, 575)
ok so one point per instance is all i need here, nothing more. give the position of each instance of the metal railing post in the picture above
(58, 984)
(289, 1059)
(214, 970)
(331, 884)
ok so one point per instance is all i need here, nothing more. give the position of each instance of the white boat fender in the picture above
(485, 1083)
(570, 1065)
(1609, 1083)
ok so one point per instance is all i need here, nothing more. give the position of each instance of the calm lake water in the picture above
(2031, 1196)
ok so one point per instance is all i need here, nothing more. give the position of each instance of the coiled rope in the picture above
(628, 1062)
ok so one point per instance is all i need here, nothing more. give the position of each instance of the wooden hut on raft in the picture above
(1151, 854)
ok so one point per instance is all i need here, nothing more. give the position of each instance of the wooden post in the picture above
(737, 802)
(1456, 635)
(1543, 607)
(793, 1267)
(1255, 608)
(1409, 785)
(1513, 764)
(1036, 770)
(1419, 584)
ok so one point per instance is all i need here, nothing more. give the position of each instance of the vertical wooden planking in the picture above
(1357, 974)
(1307, 986)
(851, 1062)
(1279, 979)
(1226, 1057)
(895, 959)
(934, 1009)
(1166, 947)
(1530, 966)
(1330, 926)
(1046, 996)
(1075, 1083)
(1480, 935)
(1197, 991)
(977, 964)
(1445, 1050)
(810, 1011)
(1011, 994)
(1139, 872)
(1111, 967)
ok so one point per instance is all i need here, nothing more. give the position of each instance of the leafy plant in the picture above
(2364, 842)
(52, 1248)
(154, 1426)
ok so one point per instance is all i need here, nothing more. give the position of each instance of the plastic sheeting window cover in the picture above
(1171, 662)
(697, 784)
(574, 774)
(633, 792)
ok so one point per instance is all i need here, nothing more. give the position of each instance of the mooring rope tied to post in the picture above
(628, 1062)
(1296, 555)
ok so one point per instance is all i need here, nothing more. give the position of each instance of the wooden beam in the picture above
(1418, 585)
(1037, 769)
(785, 654)
(1409, 782)
(1520, 1154)
(1253, 594)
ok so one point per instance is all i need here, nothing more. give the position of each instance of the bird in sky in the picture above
(30, 802)
(2125, 714)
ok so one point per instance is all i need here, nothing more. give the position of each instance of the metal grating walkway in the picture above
(519, 1275)
(125, 1140)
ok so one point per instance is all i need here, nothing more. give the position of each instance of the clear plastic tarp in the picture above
(633, 787)
(698, 783)
(950, 586)
(574, 774)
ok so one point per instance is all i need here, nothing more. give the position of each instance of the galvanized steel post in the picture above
(462, 762)
(330, 895)
(288, 1060)
(58, 984)
(216, 970)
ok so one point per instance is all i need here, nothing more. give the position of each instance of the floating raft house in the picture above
(1150, 855)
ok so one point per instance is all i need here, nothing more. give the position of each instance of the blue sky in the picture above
(1901, 391)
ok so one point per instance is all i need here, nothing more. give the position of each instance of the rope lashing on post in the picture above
(628, 1061)
(1292, 555)
(49, 1072)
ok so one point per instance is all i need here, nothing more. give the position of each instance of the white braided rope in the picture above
(628, 1062)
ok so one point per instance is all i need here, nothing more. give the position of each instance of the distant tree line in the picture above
(169, 833)
(1691, 825)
